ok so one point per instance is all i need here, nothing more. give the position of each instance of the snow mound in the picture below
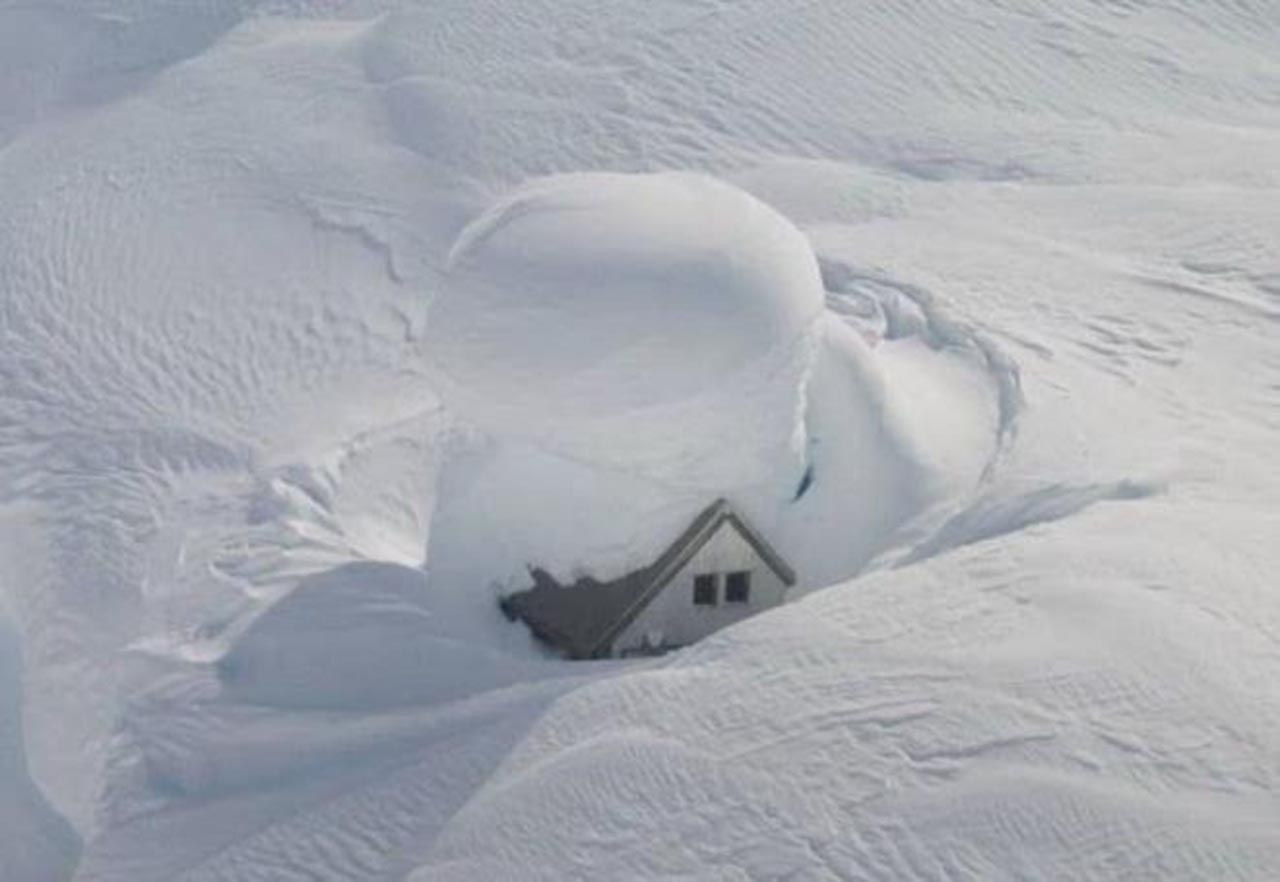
(588, 296)
(585, 317)
(632, 346)
(363, 635)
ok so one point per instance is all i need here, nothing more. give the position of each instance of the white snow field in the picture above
(319, 318)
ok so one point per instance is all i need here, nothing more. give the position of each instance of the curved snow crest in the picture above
(608, 293)
(993, 514)
(902, 309)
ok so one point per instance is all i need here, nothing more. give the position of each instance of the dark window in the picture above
(737, 587)
(704, 590)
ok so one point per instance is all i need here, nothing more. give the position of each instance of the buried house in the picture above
(717, 572)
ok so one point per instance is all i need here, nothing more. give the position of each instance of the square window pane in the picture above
(704, 589)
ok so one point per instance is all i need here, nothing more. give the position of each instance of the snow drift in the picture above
(631, 346)
(589, 298)
(365, 635)
(1035, 413)
(628, 347)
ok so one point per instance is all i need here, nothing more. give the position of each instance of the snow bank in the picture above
(366, 635)
(36, 843)
(984, 715)
(867, 471)
(631, 346)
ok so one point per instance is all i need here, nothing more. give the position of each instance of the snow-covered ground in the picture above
(251, 417)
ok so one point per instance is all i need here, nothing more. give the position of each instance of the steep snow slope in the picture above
(1055, 225)
(36, 842)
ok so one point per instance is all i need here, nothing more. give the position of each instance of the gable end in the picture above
(704, 526)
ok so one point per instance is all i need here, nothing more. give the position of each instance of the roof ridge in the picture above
(666, 564)
(677, 554)
(607, 608)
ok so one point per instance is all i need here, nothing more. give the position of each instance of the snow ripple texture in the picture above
(1039, 635)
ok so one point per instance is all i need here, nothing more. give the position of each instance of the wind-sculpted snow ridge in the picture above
(996, 516)
(655, 340)
(897, 310)
(1023, 453)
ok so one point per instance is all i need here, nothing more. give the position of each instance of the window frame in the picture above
(743, 580)
(701, 581)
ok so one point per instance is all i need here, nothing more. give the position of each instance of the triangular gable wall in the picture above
(716, 517)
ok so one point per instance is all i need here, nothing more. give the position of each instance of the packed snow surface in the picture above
(318, 319)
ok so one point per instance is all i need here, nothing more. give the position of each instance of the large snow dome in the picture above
(586, 297)
(634, 346)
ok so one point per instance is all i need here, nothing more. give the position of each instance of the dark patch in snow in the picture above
(806, 481)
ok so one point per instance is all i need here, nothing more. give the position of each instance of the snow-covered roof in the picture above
(583, 618)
